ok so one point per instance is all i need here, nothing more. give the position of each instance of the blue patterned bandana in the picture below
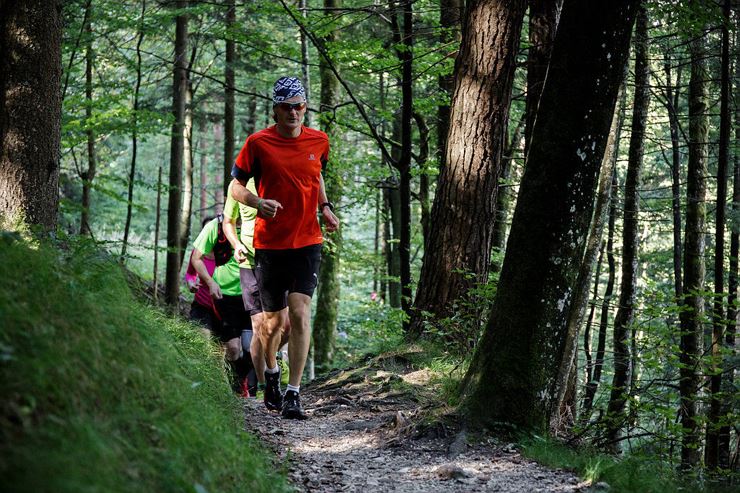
(286, 88)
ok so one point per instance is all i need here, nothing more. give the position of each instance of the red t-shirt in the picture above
(287, 170)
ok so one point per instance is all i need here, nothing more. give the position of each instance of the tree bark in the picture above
(327, 300)
(711, 451)
(450, 15)
(177, 147)
(155, 268)
(30, 111)
(187, 158)
(543, 24)
(728, 380)
(630, 247)
(229, 94)
(134, 136)
(88, 175)
(567, 412)
(513, 374)
(463, 208)
(694, 269)
(592, 385)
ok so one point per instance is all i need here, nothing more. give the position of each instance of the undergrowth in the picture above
(101, 393)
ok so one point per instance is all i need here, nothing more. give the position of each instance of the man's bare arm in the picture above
(265, 207)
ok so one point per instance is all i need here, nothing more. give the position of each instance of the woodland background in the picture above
(609, 319)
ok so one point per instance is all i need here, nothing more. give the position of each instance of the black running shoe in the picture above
(273, 396)
(292, 406)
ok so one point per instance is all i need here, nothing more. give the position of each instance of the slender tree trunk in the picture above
(174, 202)
(187, 157)
(327, 300)
(567, 412)
(305, 74)
(589, 367)
(513, 374)
(593, 384)
(450, 15)
(630, 248)
(694, 269)
(463, 209)
(134, 135)
(728, 380)
(155, 277)
(543, 24)
(711, 452)
(503, 197)
(30, 111)
(229, 94)
(218, 137)
(672, 100)
(421, 160)
(202, 126)
(89, 175)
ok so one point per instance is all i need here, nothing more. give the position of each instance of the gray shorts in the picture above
(250, 292)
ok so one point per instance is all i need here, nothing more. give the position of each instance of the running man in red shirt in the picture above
(286, 161)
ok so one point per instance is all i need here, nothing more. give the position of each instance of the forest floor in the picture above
(381, 427)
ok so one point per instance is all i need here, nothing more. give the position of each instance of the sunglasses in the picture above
(292, 106)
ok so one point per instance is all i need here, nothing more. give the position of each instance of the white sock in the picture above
(272, 370)
(296, 388)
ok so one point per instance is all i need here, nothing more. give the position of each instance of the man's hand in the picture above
(330, 220)
(215, 290)
(268, 208)
(240, 253)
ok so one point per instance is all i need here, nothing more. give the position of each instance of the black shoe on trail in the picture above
(273, 397)
(292, 406)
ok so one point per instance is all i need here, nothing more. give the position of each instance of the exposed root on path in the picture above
(380, 428)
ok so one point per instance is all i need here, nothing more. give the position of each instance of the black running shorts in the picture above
(234, 318)
(250, 291)
(280, 272)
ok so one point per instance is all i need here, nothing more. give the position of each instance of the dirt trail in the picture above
(363, 435)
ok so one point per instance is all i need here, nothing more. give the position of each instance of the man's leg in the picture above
(255, 348)
(270, 340)
(299, 306)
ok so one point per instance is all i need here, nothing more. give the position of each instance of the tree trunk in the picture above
(543, 24)
(503, 198)
(134, 135)
(592, 384)
(630, 248)
(728, 381)
(187, 157)
(305, 74)
(327, 300)
(155, 277)
(691, 316)
(463, 208)
(229, 94)
(177, 147)
(567, 412)
(203, 144)
(450, 14)
(30, 111)
(89, 174)
(711, 452)
(513, 374)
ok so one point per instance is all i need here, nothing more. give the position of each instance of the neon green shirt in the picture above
(227, 275)
(234, 209)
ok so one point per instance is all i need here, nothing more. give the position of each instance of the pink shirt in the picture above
(203, 295)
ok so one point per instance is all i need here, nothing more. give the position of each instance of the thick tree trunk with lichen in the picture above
(30, 111)
(463, 208)
(513, 374)
(327, 299)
